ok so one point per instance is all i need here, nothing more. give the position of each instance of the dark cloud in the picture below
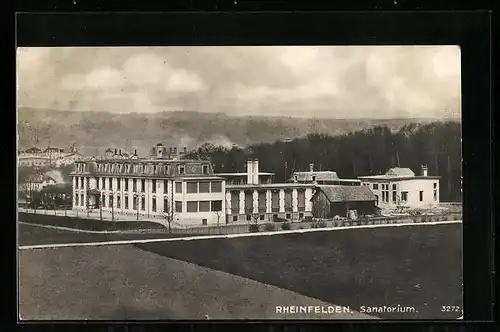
(375, 81)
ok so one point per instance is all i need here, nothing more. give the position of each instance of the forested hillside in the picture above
(364, 152)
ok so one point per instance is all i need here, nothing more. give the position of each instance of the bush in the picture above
(308, 219)
(269, 228)
(286, 226)
(318, 224)
(253, 228)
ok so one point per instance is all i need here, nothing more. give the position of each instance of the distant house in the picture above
(343, 201)
(321, 178)
(400, 188)
(68, 159)
(33, 160)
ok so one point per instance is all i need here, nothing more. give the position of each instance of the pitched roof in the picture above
(320, 176)
(338, 193)
(399, 171)
(32, 150)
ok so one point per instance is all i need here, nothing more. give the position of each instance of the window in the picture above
(126, 202)
(393, 187)
(154, 169)
(204, 206)
(77, 200)
(153, 185)
(275, 201)
(110, 181)
(143, 185)
(421, 195)
(249, 217)
(118, 183)
(288, 200)
(192, 187)
(216, 206)
(314, 178)
(235, 201)
(275, 216)
(435, 195)
(165, 186)
(126, 184)
(394, 197)
(205, 169)
(192, 206)
(178, 206)
(375, 186)
(204, 222)
(134, 203)
(110, 200)
(301, 200)
(216, 186)
(435, 185)
(182, 169)
(178, 187)
(288, 216)
(143, 203)
(81, 183)
(166, 207)
(235, 218)
(134, 185)
(204, 187)
(301, 215)
(97, 182)
(261, 201)
(262, 217)
(153, 208)
(118, 202)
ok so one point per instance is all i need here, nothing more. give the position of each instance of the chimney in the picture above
(120, 152)
(159, 150)
(135, 152)
(255, 171)
(424, 170)
(311, 167)
(116, 150)
(249, 171)
(185, 149)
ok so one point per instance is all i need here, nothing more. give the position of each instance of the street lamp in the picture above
(136, 198)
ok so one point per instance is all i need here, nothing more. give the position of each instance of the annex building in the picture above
(401, 188)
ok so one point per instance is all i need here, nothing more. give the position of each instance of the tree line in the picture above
(365, 152)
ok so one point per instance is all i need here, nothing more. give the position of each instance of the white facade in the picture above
(195, 199)
(408, 191)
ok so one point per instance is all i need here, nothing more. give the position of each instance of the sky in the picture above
(298, 81)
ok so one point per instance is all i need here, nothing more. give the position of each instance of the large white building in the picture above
(401, 188)
(252, 196)
(151, 188)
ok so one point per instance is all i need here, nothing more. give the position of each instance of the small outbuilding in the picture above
(344, 201)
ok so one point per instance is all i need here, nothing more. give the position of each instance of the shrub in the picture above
(253, 228)
(321, 224)
(269, 227)
(308, 219)
(286, 226)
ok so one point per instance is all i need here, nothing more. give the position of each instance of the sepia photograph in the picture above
(239, 183)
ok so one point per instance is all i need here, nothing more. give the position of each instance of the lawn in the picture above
(124, 282)
(419, 266)
(35, 235)
(87, 224)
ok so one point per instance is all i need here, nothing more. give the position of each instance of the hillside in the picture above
(95, 131)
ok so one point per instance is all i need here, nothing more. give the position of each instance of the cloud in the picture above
(349, 81)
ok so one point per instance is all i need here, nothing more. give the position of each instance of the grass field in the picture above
(419, 266)
(124, 282)
(87, 224)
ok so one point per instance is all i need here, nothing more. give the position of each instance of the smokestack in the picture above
(249, 171)
(311, 167)
(424, 170)
(256, 171)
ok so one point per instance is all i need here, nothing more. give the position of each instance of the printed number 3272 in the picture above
(450, 308)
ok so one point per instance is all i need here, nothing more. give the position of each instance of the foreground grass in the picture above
(417, 266)
(87, 224)
(123, 282)
(34, 235)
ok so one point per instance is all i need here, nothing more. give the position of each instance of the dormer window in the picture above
(205, 169)
(182, 169)
(155, 169)
(314, 178)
